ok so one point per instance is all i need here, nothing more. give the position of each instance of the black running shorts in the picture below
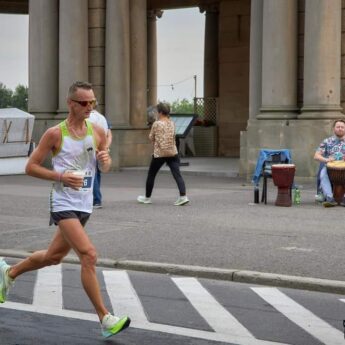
(55, 217)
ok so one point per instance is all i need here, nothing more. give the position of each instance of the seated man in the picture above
(331, 149)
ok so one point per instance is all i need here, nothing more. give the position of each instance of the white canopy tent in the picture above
(16, 128)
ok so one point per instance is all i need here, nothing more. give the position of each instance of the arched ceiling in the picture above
(174, 4)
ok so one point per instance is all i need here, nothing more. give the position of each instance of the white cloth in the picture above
(99, 119)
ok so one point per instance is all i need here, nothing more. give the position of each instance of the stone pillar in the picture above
(322, 60)
(96, 42)
(117, 63)
(211, 50)
(138, 61)
(279, 60)
(43, 56)
(152, 55)
(255, 59)
(73, 46)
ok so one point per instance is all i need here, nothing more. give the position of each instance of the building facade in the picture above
(275, 67)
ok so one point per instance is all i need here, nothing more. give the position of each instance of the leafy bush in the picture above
(17, 99)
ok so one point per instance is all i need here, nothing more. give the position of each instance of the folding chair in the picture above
(263, 168)
(277, 158)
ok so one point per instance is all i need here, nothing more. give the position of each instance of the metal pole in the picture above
(195, 85)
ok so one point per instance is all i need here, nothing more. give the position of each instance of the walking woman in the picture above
(162, 136)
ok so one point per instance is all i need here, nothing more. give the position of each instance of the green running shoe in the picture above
(329, 203)
(5, 281)
(112, 325)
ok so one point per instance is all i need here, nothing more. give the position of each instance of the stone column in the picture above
(322, 60)
(255, 59)
(43, 56)
(117, 63)
(279, 60)
(96, 43)
(138, 60)
(211, 50)
(73, 48)
(152, 16)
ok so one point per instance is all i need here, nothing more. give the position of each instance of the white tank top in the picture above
(74, 155)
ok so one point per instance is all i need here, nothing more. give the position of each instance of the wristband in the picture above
(60, 176)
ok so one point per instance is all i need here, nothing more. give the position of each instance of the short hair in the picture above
(339, 120)
(163, 108)
(78, 85)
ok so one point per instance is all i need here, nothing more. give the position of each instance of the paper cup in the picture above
(79, 173)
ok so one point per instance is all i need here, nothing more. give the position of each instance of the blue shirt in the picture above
(263, 155)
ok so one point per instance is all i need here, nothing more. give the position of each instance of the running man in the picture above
(75, 145)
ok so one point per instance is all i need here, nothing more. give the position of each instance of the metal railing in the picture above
(207, 109)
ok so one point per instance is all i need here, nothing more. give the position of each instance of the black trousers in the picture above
(174, 165)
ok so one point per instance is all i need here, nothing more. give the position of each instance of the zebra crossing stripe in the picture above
(145, 326)
(47, 310)
(123, 297)
(124, 300)
(48, 287)
(301, 316)
(210, 309)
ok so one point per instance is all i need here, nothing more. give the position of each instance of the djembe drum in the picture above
(336, 174)
(283, 176)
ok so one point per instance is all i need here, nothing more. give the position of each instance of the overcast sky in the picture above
(180, 39)
(14, 40)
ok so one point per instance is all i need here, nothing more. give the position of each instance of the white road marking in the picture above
(210, 309)
(297, 249)
(146, 326)
(48, 287)
(123, 297)
(301, 316)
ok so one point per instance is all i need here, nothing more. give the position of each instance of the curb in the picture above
(240, 276)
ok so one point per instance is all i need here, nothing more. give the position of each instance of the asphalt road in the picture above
(219, 228)
(50, 307)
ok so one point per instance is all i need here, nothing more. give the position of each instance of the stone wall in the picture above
(301, 136)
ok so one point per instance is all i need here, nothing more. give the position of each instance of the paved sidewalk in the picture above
(220, 234)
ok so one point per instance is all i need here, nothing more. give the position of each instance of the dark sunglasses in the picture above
(86, 103)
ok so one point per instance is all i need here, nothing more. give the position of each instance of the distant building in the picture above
(274, 72)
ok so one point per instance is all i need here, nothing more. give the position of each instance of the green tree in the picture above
(183, 106)
(20, 98)
(5, 96)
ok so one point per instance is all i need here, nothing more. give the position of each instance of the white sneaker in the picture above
(143, 200)
(112, 325)
(182, 200)
(319, 197)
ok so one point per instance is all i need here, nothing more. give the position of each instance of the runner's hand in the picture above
(71, 180)
(103, 157)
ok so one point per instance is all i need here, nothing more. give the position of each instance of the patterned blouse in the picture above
(332, 146)
(162, 136)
